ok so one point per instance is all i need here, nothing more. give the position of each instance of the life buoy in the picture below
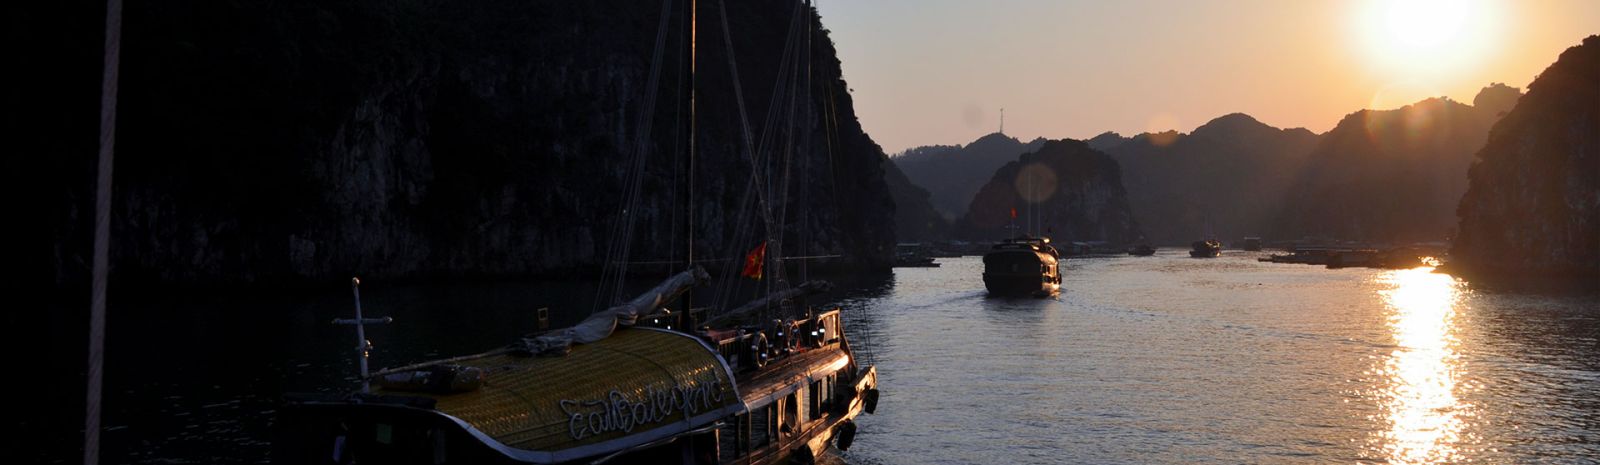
(847, 435)
(869, 400)
(758, 350)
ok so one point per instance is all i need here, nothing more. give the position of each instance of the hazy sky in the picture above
(938, 71)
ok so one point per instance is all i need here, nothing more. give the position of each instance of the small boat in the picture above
(913, 255)
(1022, 266)
(1142, 250)
(1252, 244)
(1205, 249)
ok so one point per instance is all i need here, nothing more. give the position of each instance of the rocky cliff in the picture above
(1532, 209)
(1064, 190)
(1389, 175)
(307, 141)
(952, 174)
(915, 219)
(1228, 178)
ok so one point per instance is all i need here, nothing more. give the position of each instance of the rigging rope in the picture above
(620, 243)
(102, 233)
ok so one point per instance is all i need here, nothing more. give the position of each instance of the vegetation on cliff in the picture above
(1064, 190)
(953, 174)
(306, 141)
(1533, 206)
(1389, 175)
(1228, 178)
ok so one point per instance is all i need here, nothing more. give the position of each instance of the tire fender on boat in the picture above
(758, 350)
(802, 456)
(869, 401)
(846, 435)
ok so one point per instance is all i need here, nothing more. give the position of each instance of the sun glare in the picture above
(1420, 39)
(1425, 25)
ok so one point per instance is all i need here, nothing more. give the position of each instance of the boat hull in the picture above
(1020, 285)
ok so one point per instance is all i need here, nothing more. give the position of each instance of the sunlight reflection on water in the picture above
(1419, 403)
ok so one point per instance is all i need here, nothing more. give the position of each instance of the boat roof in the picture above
(637, 386)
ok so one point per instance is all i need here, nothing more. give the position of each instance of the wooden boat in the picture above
(1142, 250)
(1205, 249)
(1022, 266)
(649, 392)
(636, 383)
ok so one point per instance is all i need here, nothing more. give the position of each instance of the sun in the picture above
(1426, 35)
(1416, 38)
(1425, 25)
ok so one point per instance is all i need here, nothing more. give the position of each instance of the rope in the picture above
(102, 232)
(621, 244)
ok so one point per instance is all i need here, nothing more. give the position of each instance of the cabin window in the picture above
(814, 401)
(791, 413)
(826, 386)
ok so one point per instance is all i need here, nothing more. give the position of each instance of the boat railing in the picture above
(739, 344)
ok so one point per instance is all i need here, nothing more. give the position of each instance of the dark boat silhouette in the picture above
(1205, 249)
(1025, 266)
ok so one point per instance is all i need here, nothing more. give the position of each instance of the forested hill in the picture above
(1532, 210)
(302, 141)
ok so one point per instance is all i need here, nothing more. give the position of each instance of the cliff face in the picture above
(953, 174)
(1228, 177)
(1533, 205)
(1388, 176)
(1065, 190)
(308, 141)
(915, 219)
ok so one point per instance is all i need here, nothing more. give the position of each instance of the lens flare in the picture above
(1036, 183)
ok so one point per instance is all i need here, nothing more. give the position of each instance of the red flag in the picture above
(1013, 213)
(753, 261)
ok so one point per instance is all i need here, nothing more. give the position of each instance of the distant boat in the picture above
(913, 255)
(1252, 244)
(1142, 250)
(1209, 248)
(1022, 266)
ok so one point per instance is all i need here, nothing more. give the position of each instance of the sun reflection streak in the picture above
(1419, 401)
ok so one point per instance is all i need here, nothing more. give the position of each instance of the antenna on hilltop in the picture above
(1002, 121)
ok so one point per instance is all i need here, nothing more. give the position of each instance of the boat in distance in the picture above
(1205, 249)
(1024, 266)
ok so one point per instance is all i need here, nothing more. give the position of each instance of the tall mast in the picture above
(688, 295)
(102, 233)
(693, 29)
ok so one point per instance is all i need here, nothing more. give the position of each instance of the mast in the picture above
(102, 233)
(693, 29)
(688, 296)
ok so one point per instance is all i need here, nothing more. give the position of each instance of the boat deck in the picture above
(785, 374)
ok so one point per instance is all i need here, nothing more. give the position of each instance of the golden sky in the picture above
(938, 71)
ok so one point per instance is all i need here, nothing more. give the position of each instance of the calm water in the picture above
(1170, 359)
(1163, 359)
